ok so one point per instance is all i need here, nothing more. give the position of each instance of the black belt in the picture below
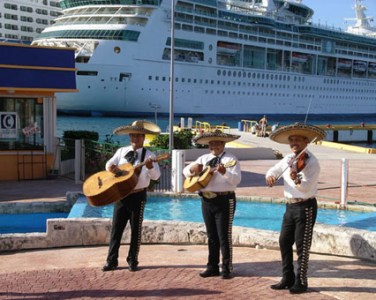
(211, 195)
(298, 200)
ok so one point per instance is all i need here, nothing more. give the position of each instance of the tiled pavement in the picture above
(171, 272)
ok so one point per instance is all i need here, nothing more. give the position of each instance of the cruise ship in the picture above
(230, 57)
(22, 20)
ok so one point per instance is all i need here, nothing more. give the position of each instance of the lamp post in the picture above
(172, 58)
(155, 106)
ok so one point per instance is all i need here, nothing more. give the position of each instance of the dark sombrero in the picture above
(217, 135)
(282, 134)
(138, 127)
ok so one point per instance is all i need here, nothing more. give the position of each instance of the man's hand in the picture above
(221, 169)
(114, 169)
(270, 181)
(196, 169)
(149, 163)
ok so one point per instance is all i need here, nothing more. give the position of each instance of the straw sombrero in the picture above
(217, 135)
(281, 135)
(138, 127)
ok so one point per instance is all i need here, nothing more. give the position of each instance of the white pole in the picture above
(172, 60)
(77, 160)
(344, 178)
(178, 162)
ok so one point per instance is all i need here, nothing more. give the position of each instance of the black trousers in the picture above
(218, 214)
(131, 209)
(297, 226)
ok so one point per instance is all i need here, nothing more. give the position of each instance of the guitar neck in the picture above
(157, 159)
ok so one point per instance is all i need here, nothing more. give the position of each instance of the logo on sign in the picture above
(8, 121)
(8, 125)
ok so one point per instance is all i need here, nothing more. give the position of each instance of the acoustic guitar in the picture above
(194, 183)
(105, 187)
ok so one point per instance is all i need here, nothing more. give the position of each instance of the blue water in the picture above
(22, 223)
(104, 126)
(259, 215)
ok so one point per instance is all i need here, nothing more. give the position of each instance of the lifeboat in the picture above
(299, 57)
(344, 64)
(359, 66)
(372, 68)
(228, 48)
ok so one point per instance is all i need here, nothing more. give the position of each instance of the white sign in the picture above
(8, 125)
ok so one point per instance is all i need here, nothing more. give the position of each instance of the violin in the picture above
(297, 164)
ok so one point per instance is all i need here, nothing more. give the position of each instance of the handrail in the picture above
(248, 124)
(205, 126)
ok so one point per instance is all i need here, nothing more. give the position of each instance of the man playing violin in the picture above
(300, 171)
(131, 208)
(218, 198)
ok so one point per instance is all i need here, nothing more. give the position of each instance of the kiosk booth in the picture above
(29, 78)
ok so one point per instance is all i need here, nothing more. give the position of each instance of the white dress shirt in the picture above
(219, 182)
(146, 174)
(310, 175)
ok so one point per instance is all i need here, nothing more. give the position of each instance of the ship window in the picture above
(150, 77)
(219, 72)
(87, 73)
(117, 50)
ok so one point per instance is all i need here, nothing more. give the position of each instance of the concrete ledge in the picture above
(347, 147)
(327, 239)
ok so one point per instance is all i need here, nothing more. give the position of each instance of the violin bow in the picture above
(295, 158)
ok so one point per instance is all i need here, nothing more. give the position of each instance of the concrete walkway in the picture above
(171, 271)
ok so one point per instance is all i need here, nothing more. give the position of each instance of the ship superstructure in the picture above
(230, 57)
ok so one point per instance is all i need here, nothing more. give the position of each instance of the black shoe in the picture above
(109, 266)
(283, 284)
(227, 275)
(209, 273)
(298, 288)
(133, 267)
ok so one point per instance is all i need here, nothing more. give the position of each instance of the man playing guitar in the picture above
(218, 199)
(131, 207)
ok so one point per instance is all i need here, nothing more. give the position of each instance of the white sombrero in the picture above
(138, 127)
(282, 134)
(217, 135)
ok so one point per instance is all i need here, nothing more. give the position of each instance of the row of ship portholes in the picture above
(253, 75)
(281, 77)
(262, 85)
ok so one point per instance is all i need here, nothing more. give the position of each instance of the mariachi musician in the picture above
(300, 171)
(131, 207)
(218, 198)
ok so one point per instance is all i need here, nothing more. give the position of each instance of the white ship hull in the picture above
(131, 78)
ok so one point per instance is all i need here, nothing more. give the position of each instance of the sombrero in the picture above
(217, 135)
(138, 127)
(281, 135)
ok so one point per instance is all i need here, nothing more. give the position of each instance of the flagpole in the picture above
(172, 60)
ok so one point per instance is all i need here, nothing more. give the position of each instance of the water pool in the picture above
(260, 215)
(23, 223)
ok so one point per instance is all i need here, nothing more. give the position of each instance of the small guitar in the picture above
(194, 183)
(105, 187)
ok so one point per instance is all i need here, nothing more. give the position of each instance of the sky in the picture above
(333, 12)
